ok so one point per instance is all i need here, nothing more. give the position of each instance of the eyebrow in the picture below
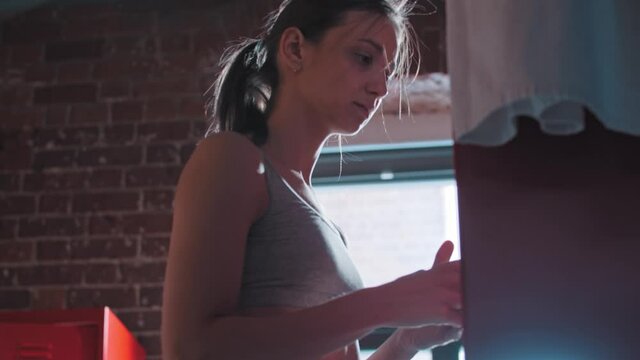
(379, 49)
(377, 46)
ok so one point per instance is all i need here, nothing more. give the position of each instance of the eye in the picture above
(364, 59)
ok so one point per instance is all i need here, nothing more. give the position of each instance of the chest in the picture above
(305, 192)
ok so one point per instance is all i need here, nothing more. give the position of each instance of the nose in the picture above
(378, 85)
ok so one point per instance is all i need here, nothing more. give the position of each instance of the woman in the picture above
(255, 271)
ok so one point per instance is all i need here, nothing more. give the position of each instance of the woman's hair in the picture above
(245, 90)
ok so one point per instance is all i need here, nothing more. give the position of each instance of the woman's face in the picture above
(344, 76)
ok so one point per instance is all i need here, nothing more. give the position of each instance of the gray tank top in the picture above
(294, 257)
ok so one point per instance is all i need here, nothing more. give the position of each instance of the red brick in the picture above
(73, 50)
(57, 114)
(42, 13)
(74, 72)
(59, 204)
(54, 181)
(58, 226)
(108, 201)
(26, 54)
(100, 273)
(4, 55)
(154, 88)
(150, 343)
(177, 65)
(125, 23)
(99, 179)
(161, 109)
(158, 200)
(49, 298)
(82, 28)
(119, 134)
(149, 223)
(18, 95)
(40, 73)
(54, 159)
(99, 297)
(167, 131)
(131, 46)
(9, 182)
(50, 275)
(89, 113)
(53, 250)
(129, 68)
(8, 276)
(15, 299)
(154, 246)
(175, 43)
(15, 158)
(126, 111)
(15, 138)
(185, 152)
(153, 176)
(105, 225)
(75, 93)
(185, 20)
(208, 41)
(151, 296)
(88, 10)
(199, 128)
(205, 81)
(19, 118)
(109, 248)
(28, 32)
(141, 320)
(14, 252)
(143, 272)
(8, 228)
(67, 136)
(17, 204)
(191, 108)
(115, 90)
(162, 154)
(111, 156)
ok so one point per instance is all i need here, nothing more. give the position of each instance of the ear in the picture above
(291, 49)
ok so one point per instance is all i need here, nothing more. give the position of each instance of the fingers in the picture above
(444, 253)
(453, 318)
(451, 334)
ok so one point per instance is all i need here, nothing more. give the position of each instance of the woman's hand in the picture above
(425, 297)
(426, 337)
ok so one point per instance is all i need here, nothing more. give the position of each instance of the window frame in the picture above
(384, 163)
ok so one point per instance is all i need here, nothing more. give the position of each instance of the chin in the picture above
(355, 129)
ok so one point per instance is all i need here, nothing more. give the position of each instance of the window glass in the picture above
(393, 228)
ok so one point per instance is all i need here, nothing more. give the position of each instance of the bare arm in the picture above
(220, 193)
(405, 343)
(392, 348)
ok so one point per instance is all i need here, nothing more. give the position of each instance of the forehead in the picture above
(361, 27)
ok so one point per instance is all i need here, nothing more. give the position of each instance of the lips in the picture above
(364, 109)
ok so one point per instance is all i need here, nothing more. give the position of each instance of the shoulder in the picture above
(225, 153)
(228, 145)
(226, 164)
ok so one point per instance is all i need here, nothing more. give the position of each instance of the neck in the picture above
(294, 142)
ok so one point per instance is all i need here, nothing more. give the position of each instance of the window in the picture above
(395, 204)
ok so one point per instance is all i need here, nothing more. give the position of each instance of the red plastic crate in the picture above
(76, 334)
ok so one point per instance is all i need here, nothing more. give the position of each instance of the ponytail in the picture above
(246, 88)
(242, 92)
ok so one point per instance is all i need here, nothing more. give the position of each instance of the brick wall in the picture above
(100, 107)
